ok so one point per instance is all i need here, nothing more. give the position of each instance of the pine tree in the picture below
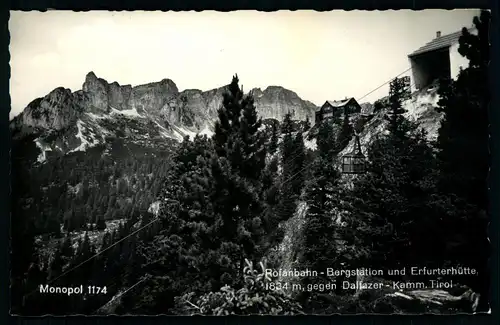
(100, 223)
(288, 195)
(236, 193)
(228, 116)
(35, 276)
(269, 181)
(299, 157)
(66, 248)
(398, 126)
(463, 147)
(464, 155)
(307, 124)
(287, 124)
(396, 188)
(253, 141)
(56, 265)
(326, 141)
(83, 253)
(319, 239)
(346, 133)
(273, 144)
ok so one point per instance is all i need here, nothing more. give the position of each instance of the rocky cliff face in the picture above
(275, 102)
(193, 109)
(85, 118)
(421, 108)
(146, 115)
(56, 110)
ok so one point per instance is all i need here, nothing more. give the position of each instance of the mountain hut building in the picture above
(335, 109)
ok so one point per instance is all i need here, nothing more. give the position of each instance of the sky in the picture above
(319, 55)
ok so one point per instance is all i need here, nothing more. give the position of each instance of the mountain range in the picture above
(156, 116)
(151, 115)
(102, 152)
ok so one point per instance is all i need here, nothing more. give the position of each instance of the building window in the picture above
(353, 164)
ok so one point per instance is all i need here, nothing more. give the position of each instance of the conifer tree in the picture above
(236, 171)
(463, 147)
(56, 265)
(270, 183)
(253, 141)
(399, 126)
(395, 190)
(319, 247)
(288, 196)
(463, 155)
(37, 274)
(299, 157)
(346, 133)
(100, 224)
(325, 141)
(287, 124)
(273, 144)
(228, 117)
(307, 124)
(66, 248)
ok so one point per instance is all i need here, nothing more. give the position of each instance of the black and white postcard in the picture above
(249, 163)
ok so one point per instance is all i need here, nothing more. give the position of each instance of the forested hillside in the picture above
(252, 197)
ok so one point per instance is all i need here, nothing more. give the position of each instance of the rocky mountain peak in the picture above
(276, 101)
(55, 111)
(275, 88)
(169, 83)
(90, 76)
(90, 115)
(256, 92)
(280, 90)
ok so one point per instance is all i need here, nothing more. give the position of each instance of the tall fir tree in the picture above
(299, 160)
(463, 154)
(287, 124)
(273, 142)
(288, 195)
(319, 246)
(394, 193)
(346, 132)
(253, 141)
(236, 171)
(325, 141)
(307, 124)
(399, 126)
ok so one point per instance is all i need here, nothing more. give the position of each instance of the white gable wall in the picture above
(457, 61)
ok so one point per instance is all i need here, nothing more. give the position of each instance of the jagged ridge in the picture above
(66, 121)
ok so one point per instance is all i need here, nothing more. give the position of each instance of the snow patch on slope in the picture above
(128, 112)
(206, 131)
(166, 134)
(84, 144)
(185, 132)
(42, 156)
(96, 117)
(181, 132)
(310, 144)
